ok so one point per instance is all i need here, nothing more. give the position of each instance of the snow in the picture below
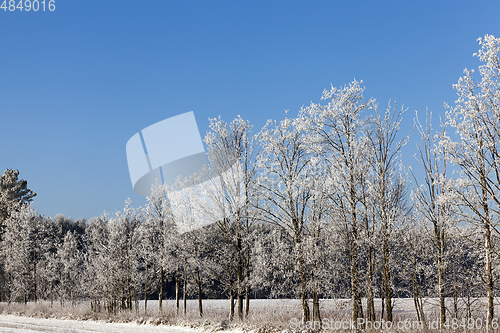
(10, 323)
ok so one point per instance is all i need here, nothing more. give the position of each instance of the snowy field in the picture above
(401, 306)
(9, 323)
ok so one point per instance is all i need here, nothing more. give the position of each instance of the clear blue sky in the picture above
(77, 83)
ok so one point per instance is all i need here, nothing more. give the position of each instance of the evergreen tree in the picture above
(14, 193)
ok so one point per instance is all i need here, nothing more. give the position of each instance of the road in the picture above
(17, 324)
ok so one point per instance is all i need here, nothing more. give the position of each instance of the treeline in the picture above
(319, 205)
(115, 262)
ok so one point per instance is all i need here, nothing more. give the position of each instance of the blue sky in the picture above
(77, 83)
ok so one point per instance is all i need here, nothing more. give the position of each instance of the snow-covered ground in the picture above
(10, 323)
(401, 306)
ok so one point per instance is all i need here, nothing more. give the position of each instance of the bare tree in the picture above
(284, 188)
(388, 188)
(338, 129)
(315, 237)
(475, 117)
(230, 190)
(160, 223)
(432, 200)
(125, 239)
(101, 279)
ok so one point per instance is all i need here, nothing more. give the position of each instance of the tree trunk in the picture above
(357, 308)
(316, 313)
(370, 302)
(382, 299)
(417, 297)
(385, 253)
(489, 273)
(73, 287)
(200, 292)
(247, 289)
(247, 259)
(455, 292)
(231, 300)
(34, 280)
(160, 293)
(240, 279)
(442, 304)
(387, 281)
(177, 291)
(184, 291)
(136, 301)
(487, 244)
(8, 274)
(145, 298)
(306, 315)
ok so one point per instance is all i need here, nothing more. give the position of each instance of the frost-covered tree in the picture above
(433, 201)
(70, 261)
(159, 224)
(476, 120)
(285, 190)
(124, 240)
(63, 225)
(231, 190)
(27, 242)
(387, 187)
(112, 260)
(186, 214)
(338, 130)
(315, 244)
(148, 259)
(100, 267)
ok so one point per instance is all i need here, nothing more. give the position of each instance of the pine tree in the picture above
(13, 194)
